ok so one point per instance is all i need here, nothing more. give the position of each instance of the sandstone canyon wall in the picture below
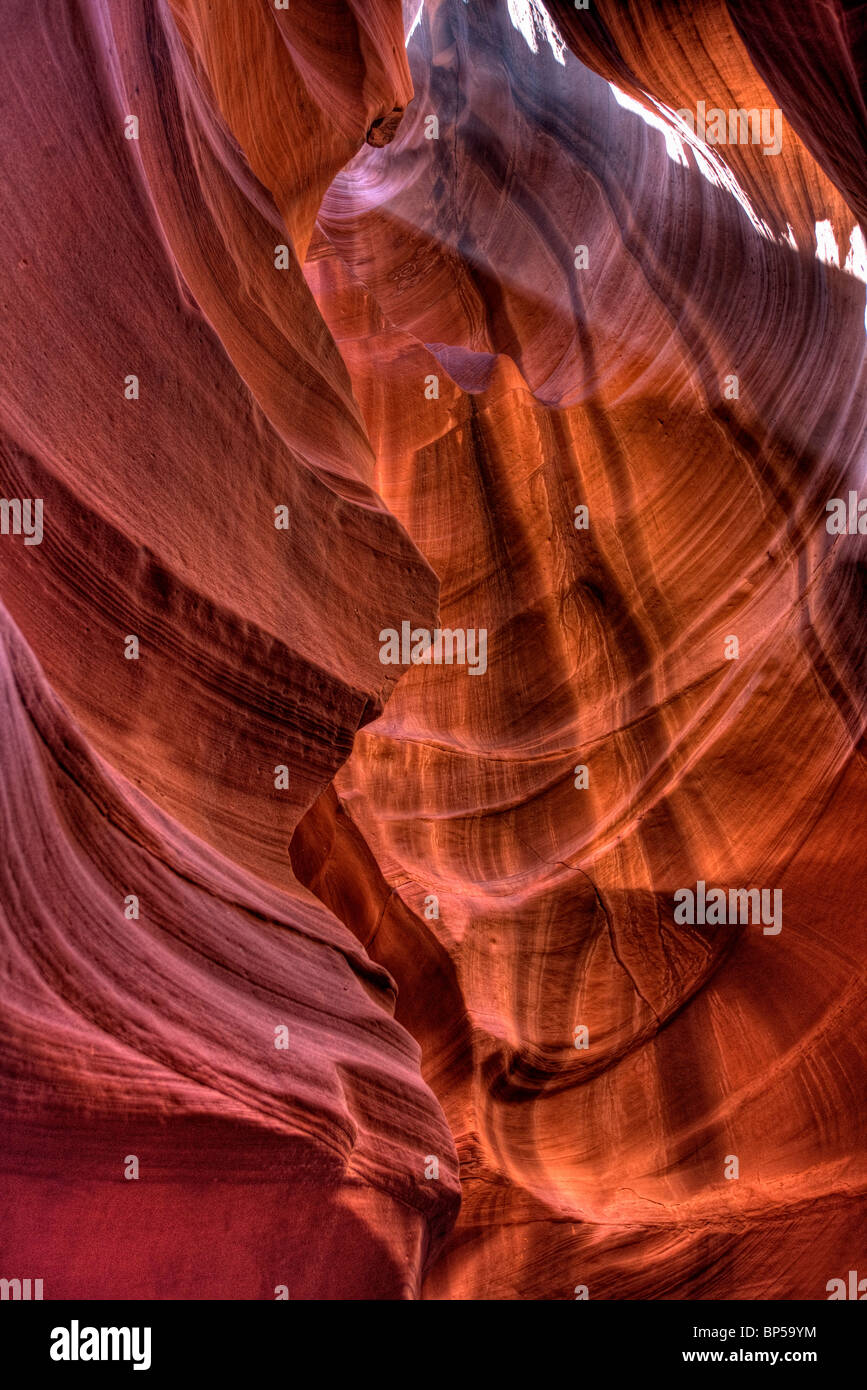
(362, 979)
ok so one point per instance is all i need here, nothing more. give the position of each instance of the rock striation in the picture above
(339, 320)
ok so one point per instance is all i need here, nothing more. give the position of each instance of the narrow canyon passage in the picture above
(440, 635)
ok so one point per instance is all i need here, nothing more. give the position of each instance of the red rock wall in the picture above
(430, 906)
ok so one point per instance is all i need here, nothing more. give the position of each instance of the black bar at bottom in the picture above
(165, 1340)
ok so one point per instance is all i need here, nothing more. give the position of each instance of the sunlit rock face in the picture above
(173, 995)
(458, 294)
(612, 387)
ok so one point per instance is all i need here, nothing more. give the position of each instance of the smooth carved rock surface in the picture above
(382, 323)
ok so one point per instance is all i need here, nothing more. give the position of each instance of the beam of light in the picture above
(414, 25)
(532, 20)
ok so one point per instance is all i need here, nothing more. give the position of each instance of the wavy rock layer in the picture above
(607, 387)
(387, 334)
(157, 1037)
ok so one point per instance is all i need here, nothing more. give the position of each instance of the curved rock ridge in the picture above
(169, 387)
(233, 1040)
(452, 258)
(811, 56)
(160, 511)
(343, 336)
